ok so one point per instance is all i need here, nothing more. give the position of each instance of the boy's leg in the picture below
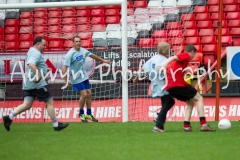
(27, 104)
(82, 101)
(167, 103)
(201, 112)
(57, 126)
(188, 113)
(89, 105)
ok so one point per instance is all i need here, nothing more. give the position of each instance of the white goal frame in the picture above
(123, 4)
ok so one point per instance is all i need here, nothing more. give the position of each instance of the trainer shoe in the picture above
(7, 122)
(60, 126)
(187, 129)
(155, 118)
(90, 117)
(207, 128)
(156, 129)
(83, 118)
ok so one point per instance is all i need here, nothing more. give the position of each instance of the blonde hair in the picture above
(163, 48)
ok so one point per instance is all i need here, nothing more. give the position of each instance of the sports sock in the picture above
(55, 123)
(202, 121)
(12, 115)
(89, 111)
(81, 111)
(186, 124)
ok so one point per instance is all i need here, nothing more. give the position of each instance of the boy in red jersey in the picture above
(181, 90)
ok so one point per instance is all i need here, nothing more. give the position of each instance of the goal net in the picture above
(100, 28)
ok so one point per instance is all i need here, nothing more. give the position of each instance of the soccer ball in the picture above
(224, 124)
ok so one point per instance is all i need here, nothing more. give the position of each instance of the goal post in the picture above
(124, 47)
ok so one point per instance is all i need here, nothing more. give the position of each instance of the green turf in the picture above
(117, 141)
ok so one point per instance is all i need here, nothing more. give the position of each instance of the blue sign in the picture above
(235, 64)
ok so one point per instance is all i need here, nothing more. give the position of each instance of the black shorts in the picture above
(42, 94)
(183, 93)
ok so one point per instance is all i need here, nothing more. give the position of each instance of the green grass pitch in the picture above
(117, 141)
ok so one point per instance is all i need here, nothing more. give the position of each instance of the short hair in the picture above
(163, 48)
(37, 40)
(190, 48)
(75, 37)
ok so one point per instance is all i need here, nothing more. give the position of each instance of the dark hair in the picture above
(190, 48)
(37, 40)
(75, 37)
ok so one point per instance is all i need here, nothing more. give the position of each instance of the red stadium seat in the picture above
(83, 13)
(202, 17)
(40, 9)
(55, 36)
(85, 35)
(213, 9)
(227, 2)
(26, 29)
(192, 40)
(1, 37)
(42, 35)
(82, 8)
(54, 29)
(212, 2)
(96, 7)
(1, 30)
(174, 25)
(187, 17)
(200, 9)
(236, 41)
(175, 33)
(189, 24)
(83, 20)
(234, 24)
(210, 49)
(54, 9)
(68, 9)
(190, 33)
(238, 1)
(231, 8)
(208, 59)
(40, 22)
(2, 45)
(11, 22)
(67, 44)
(26, 15)
(11, 46)
(208, 40)
(140, 4)
(69, 13)
(146, 42)
(87, 44)
(68, 36)
(54, 14)
(197, 58)
(11, 30)
(215, 24)
(97, 20)
(25, 37)
(206, 32)
(235, 32)
(55, 45)
(159, 34)
(69, 28)
(215, 16)
(25, 45)
(158, 40)
(97, 13)
(112, 12)
(69, 21)
(54, 21)
(26, 22)
(11, 38)
(112, 20)
(176, 41)
(40, 29)
(225, 32)
(98, 28)
(227, 40)
(112, 7)
(40, 14)
(233, 15)
(204, 24)
(129, 4)
(83, 28)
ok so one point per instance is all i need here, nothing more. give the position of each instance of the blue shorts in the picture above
(81, 86)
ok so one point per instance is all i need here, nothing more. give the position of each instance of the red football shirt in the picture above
(175, 77)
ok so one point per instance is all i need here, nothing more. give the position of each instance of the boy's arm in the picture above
(169, 60)
(135, 80)
(94, 56)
